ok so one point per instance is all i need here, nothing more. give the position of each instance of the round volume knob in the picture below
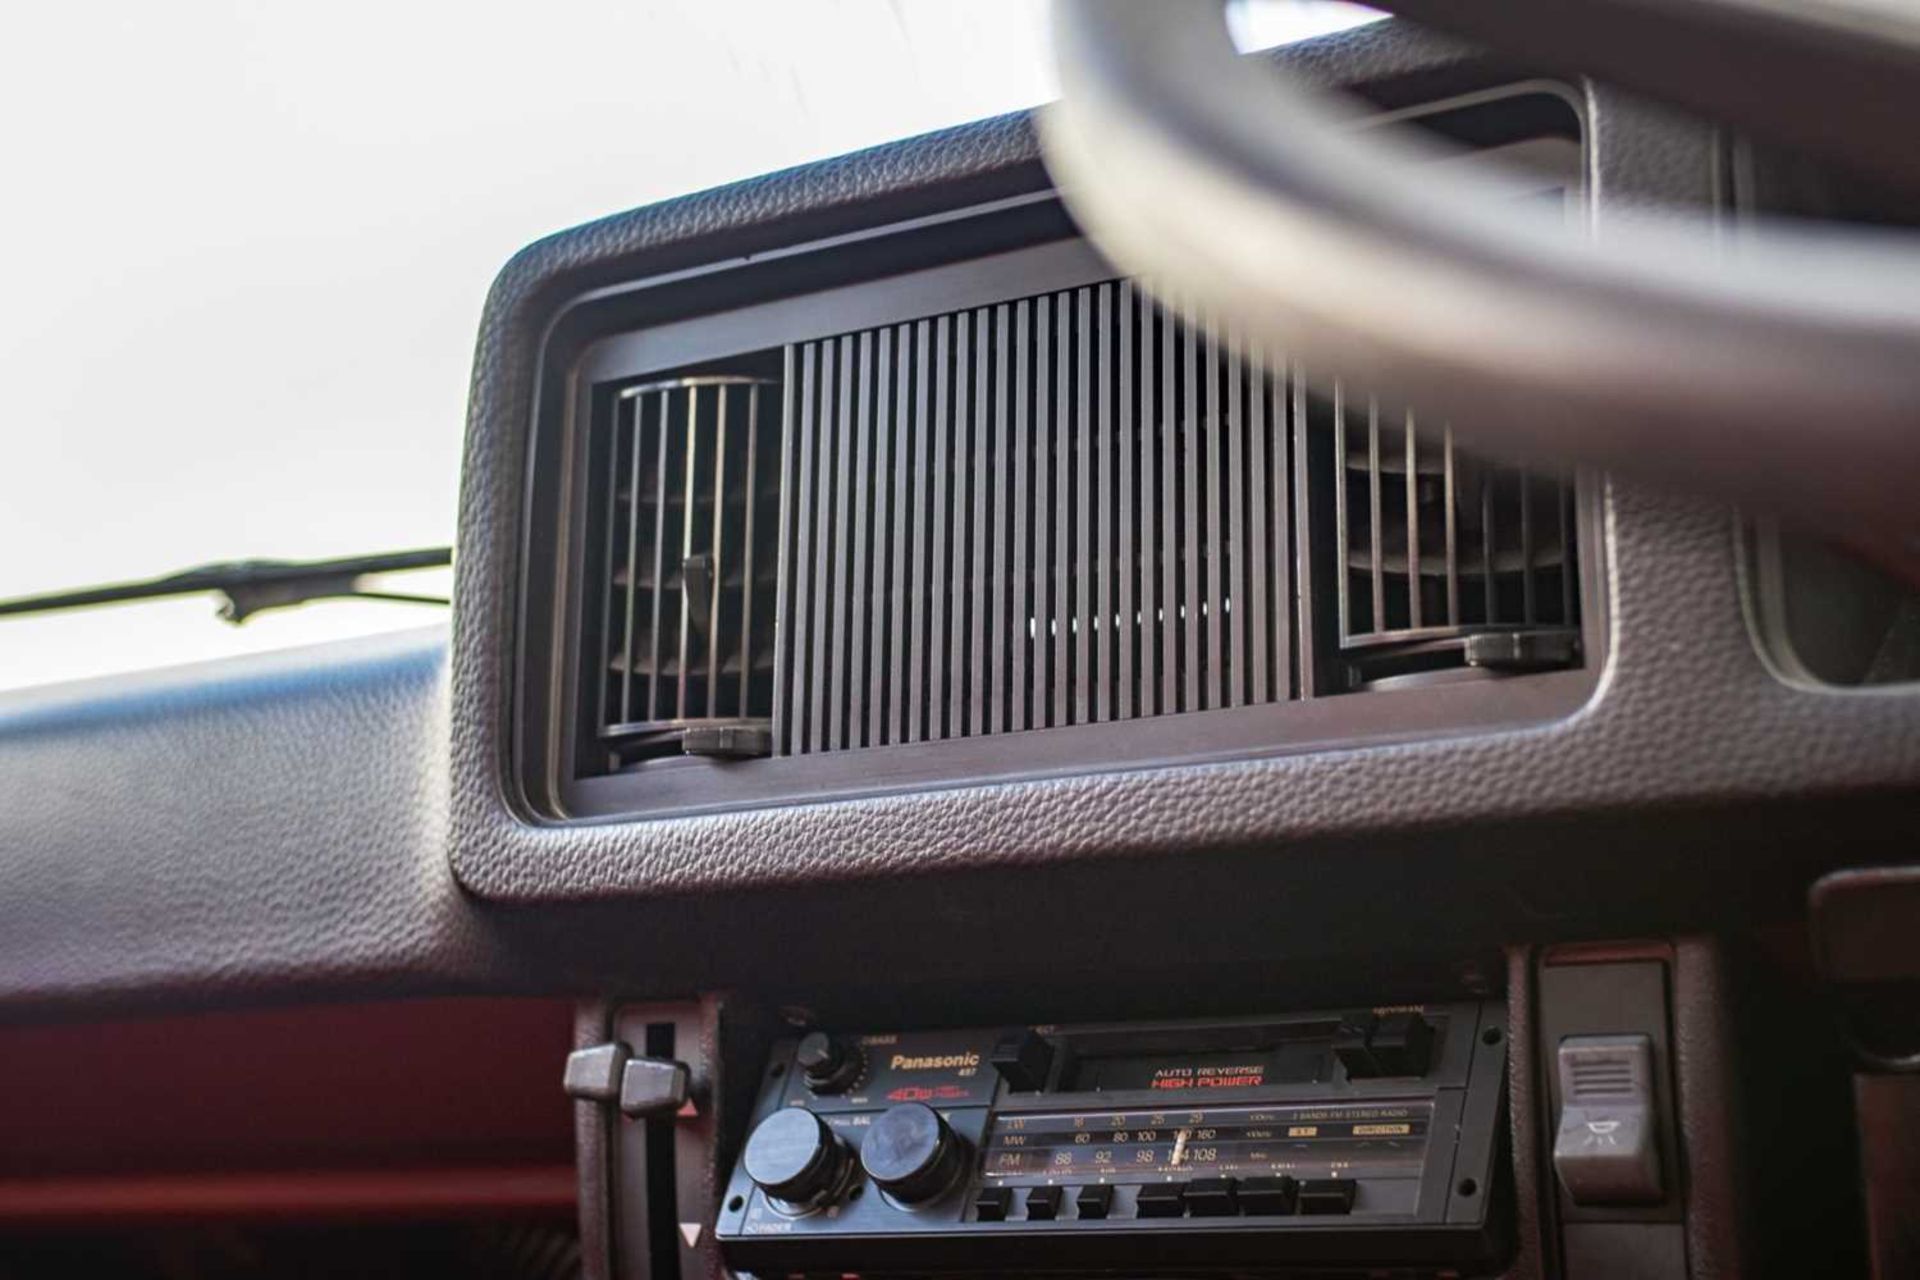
(912, 1154)
(794, 1157)
(828, 1064)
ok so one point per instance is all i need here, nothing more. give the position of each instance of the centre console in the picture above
(1357, 1137)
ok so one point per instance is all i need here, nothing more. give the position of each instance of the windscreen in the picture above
(250, 246)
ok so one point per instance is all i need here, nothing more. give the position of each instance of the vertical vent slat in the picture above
(982, 462)
(843, 599)
(923, 468)
(1147, 568)
(1412, 499)
(1022, 603)
(659, 590)
(1376, 560)
(1489, 539)
(1563, 514)
(1041, 632)
(1259, 623)
(1167, 550)
(899, 428)
(1235, 592)
(805, 643)
(1213, 421)
(1282, 458)
(1002, 414)
(943, 531)
(690, 419)
(1128, 535)
(880, 590)
(786, 553)
(750, 560)
(625, 711)
(823, 581)
(957, 528)
(1103, 480)
(718, 573)
(1451, 518)
(1342, 523)
(1084, 623)
(1526, 550)
(859, 548)
(1062, 515)
(1193, 463)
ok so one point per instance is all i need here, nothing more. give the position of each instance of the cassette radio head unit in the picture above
(1363, 1137)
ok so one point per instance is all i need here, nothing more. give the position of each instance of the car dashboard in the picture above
(916, 700)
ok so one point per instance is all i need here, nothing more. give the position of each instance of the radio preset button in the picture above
(912, 1154)
(1162, 1200)
(1043, 1203)
(1402, 1044)
(1398, 1044)
(1350, 1046)
(1095, 1200)
(828, 1064)
(1326, 1195)
(1268, 1195)
(1213, 1197)
(991, 1204)
(1023, 1058)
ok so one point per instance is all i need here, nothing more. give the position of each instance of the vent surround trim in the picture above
(963, 258)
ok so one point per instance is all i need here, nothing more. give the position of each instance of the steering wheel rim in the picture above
(1779, 368)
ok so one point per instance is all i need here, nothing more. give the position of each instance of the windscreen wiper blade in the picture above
(248, 587)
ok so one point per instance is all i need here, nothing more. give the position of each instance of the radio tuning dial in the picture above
(912, 1154)
(796, 1158)
(828, 1064)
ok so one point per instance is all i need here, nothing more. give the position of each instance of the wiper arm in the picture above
(248, 587)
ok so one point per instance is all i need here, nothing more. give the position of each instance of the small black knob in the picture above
(795, 1157)
(828, 1064)
(912, 1154)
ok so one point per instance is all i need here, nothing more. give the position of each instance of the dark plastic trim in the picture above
(1685, 716)
(967, 258)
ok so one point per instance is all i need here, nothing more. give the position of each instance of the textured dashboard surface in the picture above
(1686, 712)
(272, 825)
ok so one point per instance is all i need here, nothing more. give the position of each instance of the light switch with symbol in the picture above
(1606, 1149)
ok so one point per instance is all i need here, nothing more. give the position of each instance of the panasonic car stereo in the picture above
(1362, 1137)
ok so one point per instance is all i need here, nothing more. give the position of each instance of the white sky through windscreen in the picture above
(248, 245)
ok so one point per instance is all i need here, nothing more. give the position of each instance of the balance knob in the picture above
(828, 1064)
(796, 1158)
(912, 1154)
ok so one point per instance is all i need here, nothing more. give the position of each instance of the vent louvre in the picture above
(1062, 510)
(1445, 561)
(686, 661)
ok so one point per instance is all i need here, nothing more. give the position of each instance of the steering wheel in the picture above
(1778, 366)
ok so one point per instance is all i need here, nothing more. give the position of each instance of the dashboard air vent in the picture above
(1062, 510)
(686, 661)
(1447, 562)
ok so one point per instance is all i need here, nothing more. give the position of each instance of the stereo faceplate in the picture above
(1361, 1135)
